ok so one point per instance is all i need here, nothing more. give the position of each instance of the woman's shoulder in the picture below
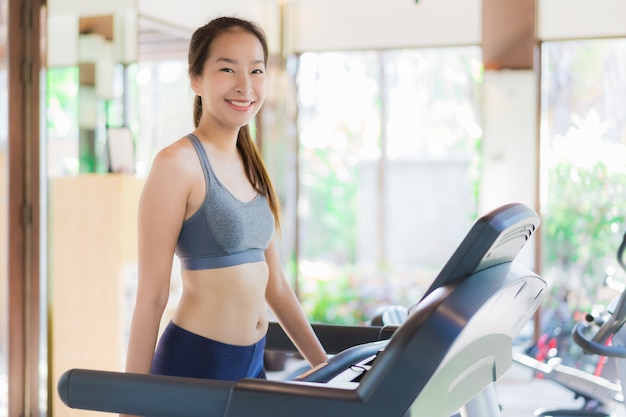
(177, 161)
(177, 153)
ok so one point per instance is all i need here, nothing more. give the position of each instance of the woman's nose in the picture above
(244, 86)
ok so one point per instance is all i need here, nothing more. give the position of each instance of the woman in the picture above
(209, 199)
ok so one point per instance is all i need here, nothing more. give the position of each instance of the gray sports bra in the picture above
(224, 231)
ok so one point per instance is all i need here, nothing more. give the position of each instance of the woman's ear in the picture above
(194, 83)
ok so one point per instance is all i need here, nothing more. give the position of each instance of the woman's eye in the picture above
(227, 70)
(257, 71)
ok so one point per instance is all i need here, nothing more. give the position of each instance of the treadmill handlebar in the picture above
(153, 395)
(578, 335)
(335, 338)
(107, 391)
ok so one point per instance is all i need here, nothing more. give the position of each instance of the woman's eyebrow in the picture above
(235, 62)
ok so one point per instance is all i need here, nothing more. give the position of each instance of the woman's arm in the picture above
(287, 309)
(161, 213)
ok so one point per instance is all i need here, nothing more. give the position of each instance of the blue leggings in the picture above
(183, 353)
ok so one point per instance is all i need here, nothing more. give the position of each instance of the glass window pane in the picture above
(62, 120)
(387, 162)
(157, 85)
(583, 149)
(339, 121)
(432, 101)
(432, 136)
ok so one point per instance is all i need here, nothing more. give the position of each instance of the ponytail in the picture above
(256, 171)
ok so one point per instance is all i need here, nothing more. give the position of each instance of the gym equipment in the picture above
(454, 344)
(608, 339)
(599, 394)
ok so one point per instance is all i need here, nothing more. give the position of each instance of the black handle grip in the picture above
(578, 334)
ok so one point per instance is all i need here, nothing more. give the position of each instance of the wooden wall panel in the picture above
(92, 246)
(508, 38)
(25, 57)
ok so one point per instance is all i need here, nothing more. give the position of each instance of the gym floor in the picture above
(520, 394)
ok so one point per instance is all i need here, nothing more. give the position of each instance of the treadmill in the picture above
(455, 343)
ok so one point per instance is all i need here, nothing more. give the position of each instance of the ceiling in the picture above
(160, 40)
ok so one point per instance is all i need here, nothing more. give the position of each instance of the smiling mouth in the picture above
(241, 104)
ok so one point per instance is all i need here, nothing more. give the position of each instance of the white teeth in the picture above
(240, 103)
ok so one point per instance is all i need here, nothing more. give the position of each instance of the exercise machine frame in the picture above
(455, 343)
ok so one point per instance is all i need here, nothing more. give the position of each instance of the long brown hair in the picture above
(252, 159)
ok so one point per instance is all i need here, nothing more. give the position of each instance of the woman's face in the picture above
(233, 82)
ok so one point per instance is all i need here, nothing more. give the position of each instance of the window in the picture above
(387, 172)
(583, 149)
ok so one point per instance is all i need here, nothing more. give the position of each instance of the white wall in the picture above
(359, 24)
(509, 138)
(563, 19)
(509, 144)
(338, 24)
(311, 25)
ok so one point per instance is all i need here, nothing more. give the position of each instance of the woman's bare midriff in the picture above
(225, 304)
